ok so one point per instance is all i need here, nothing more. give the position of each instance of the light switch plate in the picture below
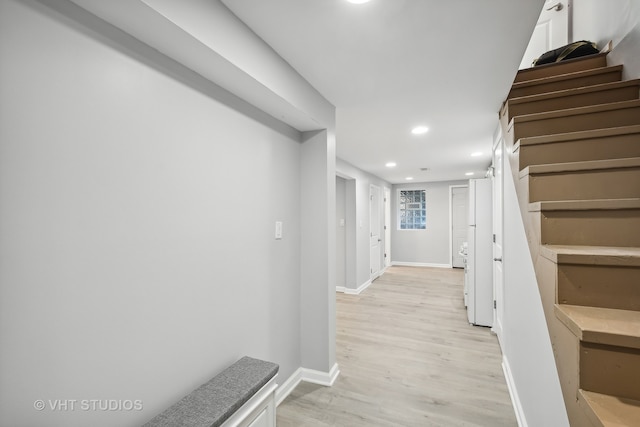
(278, 230)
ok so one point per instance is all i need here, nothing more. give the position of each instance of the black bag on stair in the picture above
(572, 50)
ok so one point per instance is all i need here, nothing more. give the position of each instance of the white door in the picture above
(375, 237)
(498, 275)
(459, 210)
(387, 227)
(551, 31)
(470, 283)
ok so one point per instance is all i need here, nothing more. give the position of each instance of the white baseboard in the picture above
(309, 375)
(319, 377)
(420, 264)
(350, 291)
(513, 392)
(287, 387)
(360, 289)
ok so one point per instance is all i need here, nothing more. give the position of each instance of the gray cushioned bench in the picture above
(211, 404)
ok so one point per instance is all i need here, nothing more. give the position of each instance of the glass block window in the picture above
(412, 210)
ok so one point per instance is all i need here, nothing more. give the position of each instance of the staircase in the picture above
(572, 131)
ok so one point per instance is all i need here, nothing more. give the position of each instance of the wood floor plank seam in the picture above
(407, 357)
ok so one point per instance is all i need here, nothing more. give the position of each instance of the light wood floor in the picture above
(407, 357)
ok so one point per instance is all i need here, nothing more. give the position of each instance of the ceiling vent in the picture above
(424, 169)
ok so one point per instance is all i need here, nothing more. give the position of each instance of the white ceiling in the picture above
(389, 65)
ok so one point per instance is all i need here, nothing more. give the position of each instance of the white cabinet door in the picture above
(262, 420)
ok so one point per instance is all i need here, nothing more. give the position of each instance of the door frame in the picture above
(375, 274)
(387, 228)
(497, 181)
(451, 187)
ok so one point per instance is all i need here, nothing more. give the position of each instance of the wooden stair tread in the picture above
(573, 91)
(552, 99)
(609, 411)
(575, 111)
(576, 136)
(578, 205)
(563, 67)
(630, 162)
(566, 76)
(592, 255)
(565, 120)
(601, 325)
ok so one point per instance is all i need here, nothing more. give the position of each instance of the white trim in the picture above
(378, 190)
(319, 377)
(496, 329)
(307, 375)
(387, 227)
(359, 290)
(515, 400)
(420, 264)
(497, 186)
(341, 289)
(288, 386)
(420, 186)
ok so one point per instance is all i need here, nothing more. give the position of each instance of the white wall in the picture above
(318, 261)
(351, 233)
(429, 246)
(209, 39)
(526, 346)
(137, 211)
(619, 21)
(358, 253)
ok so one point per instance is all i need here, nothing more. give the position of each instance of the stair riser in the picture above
(585, 185)
(575, 123)
(609, 77)
(614, 147)
(610, 370)
(599, 286)
(627, 93)
(561, 68)
(591, 227)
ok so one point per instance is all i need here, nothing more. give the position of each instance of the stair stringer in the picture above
(564, 344)
(525, 339)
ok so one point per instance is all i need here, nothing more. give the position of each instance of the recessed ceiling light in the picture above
(358, 1)
(419, 130)
(391, 165)
(476, 154)
(409, 178)
(469, 173)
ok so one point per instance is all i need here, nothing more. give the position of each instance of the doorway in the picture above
(551, 31)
